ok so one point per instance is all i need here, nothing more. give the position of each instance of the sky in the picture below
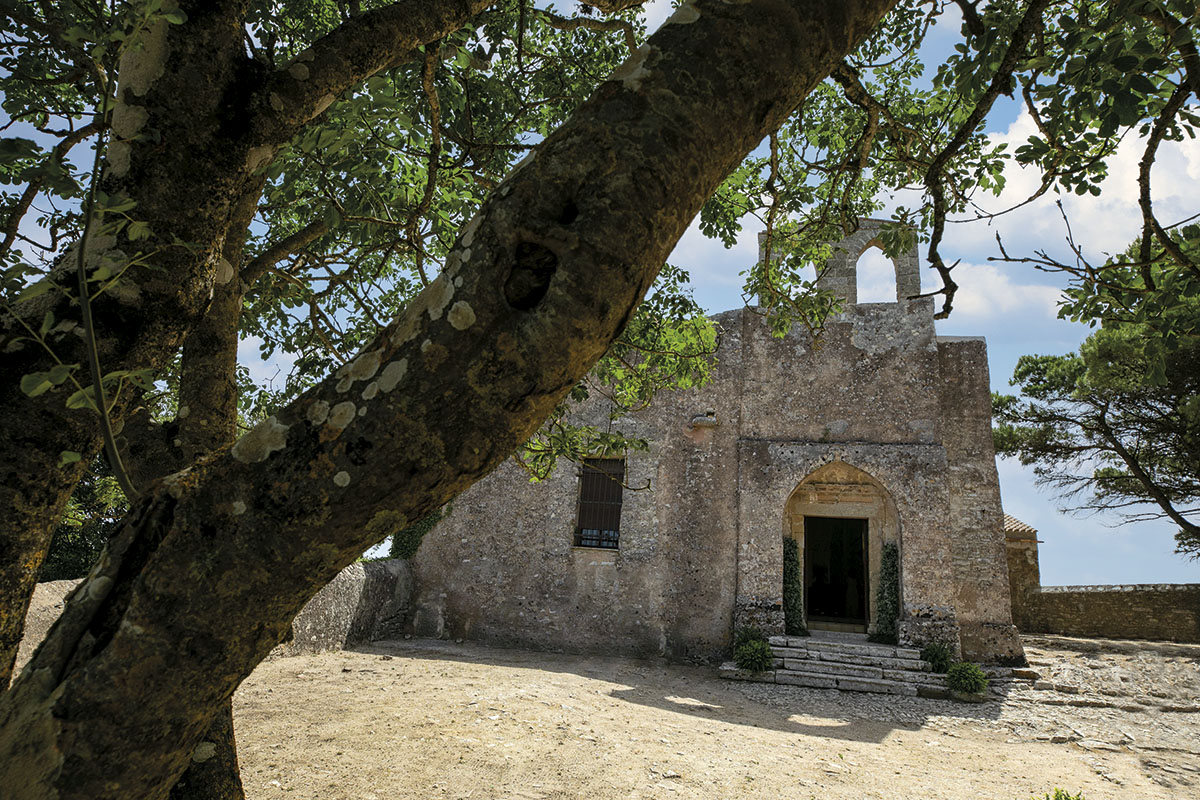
(1015, 308)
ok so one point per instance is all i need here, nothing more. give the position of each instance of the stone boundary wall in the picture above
(1166, 612)
(367, 601)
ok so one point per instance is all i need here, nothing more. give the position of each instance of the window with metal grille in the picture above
(600, 483)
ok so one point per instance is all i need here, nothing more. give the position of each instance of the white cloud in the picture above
(714, 269)
(987, 291)
(1101, 225)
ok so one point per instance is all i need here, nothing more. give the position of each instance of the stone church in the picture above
(881, 433)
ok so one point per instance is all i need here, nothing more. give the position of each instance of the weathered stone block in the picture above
(809, 679)
(349, 608)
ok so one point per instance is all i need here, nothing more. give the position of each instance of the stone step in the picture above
(815, 680)
(870, 649)
(838, 656)
(914, 664)
(815, 666)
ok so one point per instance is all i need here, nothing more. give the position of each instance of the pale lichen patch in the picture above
(276, 101)
(468, 234)
(371, 390)
(238, 508)
(440, 292)
(365, 366)
(461, 316)
(128, 120)
(318, 412)
(174, 481)
(298, 72)
(117, 158)
(325, 102)
(130, 628)
(393, 373)
(341, 414)
(97, 588)
(203, 752)
(342, 479)
(144, 59)
(183, 412)
(425, 345)
(224, 270)
(263, 439)
(633, 70)
(259, 157)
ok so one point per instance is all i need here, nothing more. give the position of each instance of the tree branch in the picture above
(267, 259)
(590, 24)
(1150, 224)
(352, 52)
(13, 223)
(934, 181)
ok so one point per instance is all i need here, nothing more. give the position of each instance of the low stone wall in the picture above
(365, 602)
(1166, 612)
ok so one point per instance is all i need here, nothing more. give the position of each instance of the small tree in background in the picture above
(1116, 425)
(406, 542)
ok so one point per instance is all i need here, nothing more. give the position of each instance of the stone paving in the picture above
(1099, 695)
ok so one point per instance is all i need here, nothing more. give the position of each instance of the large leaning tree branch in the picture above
(537, 286)
(184, 150)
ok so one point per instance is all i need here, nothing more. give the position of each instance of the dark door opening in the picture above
(835, 571)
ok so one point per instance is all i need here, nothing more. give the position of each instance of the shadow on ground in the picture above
(696, 691)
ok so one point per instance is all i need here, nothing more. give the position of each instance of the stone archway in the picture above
(838, 500)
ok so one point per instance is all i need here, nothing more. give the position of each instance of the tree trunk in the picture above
(211, 566)
(217, 119)
(213, 773)
(208, 418)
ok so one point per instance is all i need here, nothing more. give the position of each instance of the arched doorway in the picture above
(840, 518)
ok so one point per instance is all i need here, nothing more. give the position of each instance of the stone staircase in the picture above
(848, 662)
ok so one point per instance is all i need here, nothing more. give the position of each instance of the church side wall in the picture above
(503, 568)
(974, 524)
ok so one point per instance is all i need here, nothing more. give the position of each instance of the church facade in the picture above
(878, 434)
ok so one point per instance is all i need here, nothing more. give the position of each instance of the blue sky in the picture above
(1015, 308)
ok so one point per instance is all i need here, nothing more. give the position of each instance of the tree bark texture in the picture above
(195, 125)
(537, 286)
(208, 421)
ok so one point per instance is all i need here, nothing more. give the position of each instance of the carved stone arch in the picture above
(839, 490)
(841, 270)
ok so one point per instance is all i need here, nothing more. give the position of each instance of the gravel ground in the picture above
(429, 719)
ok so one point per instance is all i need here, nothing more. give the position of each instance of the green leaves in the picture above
(16, 149)
(38, 383)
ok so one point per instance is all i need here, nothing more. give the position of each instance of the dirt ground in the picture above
(429, 719)
(434, 719)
